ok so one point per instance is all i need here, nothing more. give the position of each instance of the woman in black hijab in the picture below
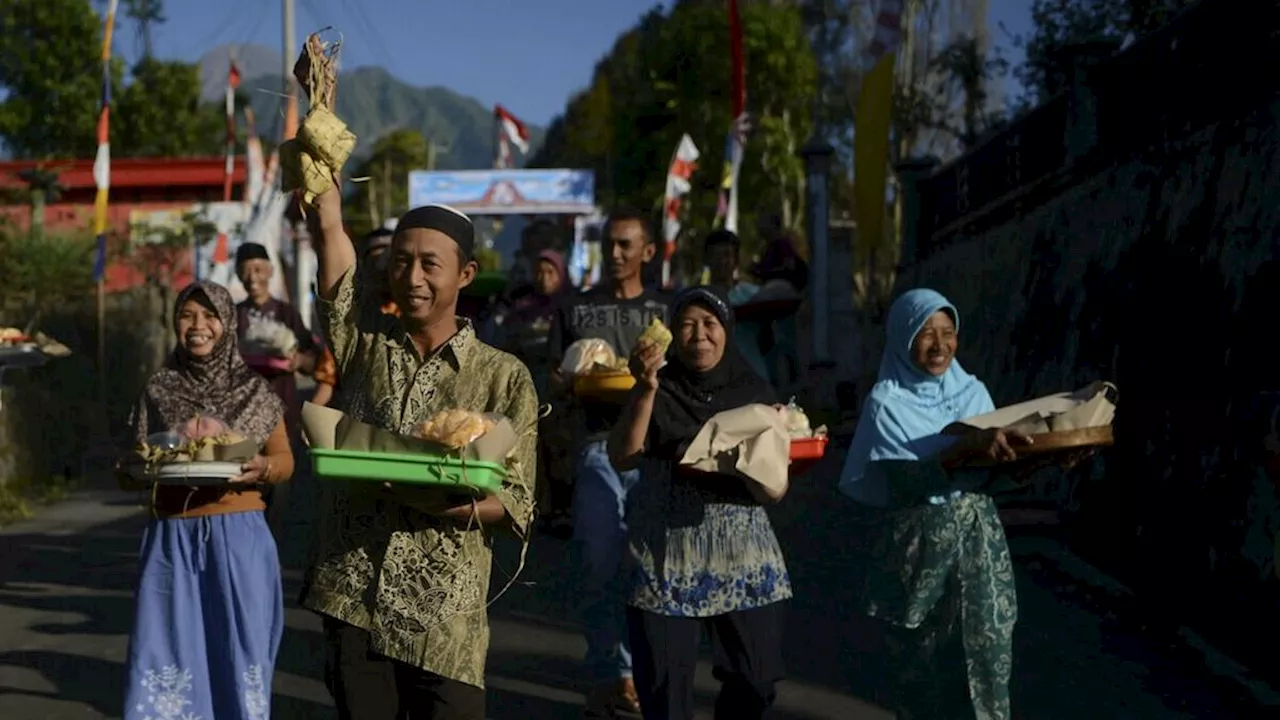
(701, 546)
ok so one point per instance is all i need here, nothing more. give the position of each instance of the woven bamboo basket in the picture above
(1044, 446)
(326, 138)
(300, 171)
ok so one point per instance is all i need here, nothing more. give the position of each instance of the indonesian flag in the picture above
(511, 128)
(233, 82)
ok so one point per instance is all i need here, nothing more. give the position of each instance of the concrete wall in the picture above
(1154, 269)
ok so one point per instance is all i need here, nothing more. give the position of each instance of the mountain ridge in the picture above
(372, 101)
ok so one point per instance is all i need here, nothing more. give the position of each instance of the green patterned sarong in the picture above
(936, 569)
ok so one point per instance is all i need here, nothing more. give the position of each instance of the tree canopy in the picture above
(1056, 24)
(160, 114)
(51, 70)
(670, 75)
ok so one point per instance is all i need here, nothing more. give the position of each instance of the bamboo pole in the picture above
(102, 346)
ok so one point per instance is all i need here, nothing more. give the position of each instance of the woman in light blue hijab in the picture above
(940, 564)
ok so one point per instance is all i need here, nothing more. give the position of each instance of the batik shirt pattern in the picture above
(417, 583)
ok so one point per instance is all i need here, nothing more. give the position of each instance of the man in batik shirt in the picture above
(401, 579)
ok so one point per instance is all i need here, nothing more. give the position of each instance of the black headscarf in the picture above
(687, 399)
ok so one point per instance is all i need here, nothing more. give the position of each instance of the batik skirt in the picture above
(941, 575)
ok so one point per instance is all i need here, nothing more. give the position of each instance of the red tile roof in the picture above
(130, 172)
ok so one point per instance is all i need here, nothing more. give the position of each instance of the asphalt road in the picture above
(65, 606)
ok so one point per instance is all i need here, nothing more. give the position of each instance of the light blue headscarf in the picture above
(907, 409)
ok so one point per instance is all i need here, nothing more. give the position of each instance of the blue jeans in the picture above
(599, 542)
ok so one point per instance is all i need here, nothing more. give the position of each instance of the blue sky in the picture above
(529, 55)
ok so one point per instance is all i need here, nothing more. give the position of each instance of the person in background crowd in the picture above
(522, 326)
(940, 566)
(401, 574)
(703, 552)
(373, 263)
(617, 311)
(254, 268)
(722, 253)
(210, 607)
(523, 329)
(781, 272)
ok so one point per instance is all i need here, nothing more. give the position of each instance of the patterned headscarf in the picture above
(218, 385)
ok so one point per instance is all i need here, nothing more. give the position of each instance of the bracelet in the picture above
(266, 473)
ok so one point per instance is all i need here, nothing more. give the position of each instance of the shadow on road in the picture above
(66, 587)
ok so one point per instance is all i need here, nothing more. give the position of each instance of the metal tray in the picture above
(187, 474)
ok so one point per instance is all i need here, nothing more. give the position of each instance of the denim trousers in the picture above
(599, 547)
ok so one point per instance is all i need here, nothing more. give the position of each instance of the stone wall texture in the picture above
(1154, 268)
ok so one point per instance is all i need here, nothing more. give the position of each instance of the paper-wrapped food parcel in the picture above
(1060, 422)
(454, 449)
(756, 443)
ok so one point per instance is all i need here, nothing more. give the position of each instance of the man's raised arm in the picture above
(333, 248)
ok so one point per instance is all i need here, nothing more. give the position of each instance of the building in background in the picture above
(139, 187)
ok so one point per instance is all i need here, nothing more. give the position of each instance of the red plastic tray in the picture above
(807, 452)
(809, 448)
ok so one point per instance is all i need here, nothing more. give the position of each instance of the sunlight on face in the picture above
(426, 273)
(255, 275)
(935, 345)
(199, 327)
(626, 249)
(699, 338)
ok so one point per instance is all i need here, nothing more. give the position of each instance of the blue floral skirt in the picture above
(210, 613)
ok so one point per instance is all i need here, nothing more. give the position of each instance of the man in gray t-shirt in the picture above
(617, 312)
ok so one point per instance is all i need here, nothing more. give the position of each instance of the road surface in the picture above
(65, 608)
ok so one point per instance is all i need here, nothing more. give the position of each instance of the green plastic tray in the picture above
(412, 469)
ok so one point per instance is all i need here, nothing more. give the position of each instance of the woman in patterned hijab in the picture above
(210, 607)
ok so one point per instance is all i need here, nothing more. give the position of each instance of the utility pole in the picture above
(299, 294)
(290, 57)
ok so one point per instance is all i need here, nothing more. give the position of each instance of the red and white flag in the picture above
(511, 131)
(683, 163)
